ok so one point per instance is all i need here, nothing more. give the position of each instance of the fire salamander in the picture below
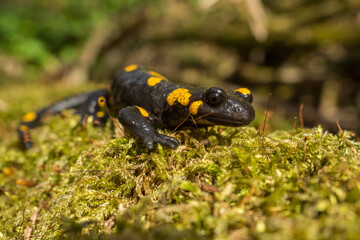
(145, 100)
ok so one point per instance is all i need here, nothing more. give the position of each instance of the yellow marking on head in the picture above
(184, 99)
(100, 114)
(243, 91)
(157, 75)
(194, 107)
(29, 117)
(131, 67)
(152, 81)
(143, 112)
(101, 101)
(181, 95)
(23, 128)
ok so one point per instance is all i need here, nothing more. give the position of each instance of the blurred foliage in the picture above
(37, 31)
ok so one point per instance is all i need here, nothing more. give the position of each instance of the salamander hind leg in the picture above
(139, 122)
(94, 106)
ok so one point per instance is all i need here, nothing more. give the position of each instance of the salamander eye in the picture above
(245, 94)
(214, 96)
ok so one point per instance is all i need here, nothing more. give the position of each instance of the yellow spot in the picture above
(100, 114)
(23, 128)
(101, 101)
(8, 172)
(194, 107)
(184, 99)
(24, 182)
(181, 95)
(131, 67)
(143, 112)
(152, 81)
(157, 74)
(29, 117)
(243, 91)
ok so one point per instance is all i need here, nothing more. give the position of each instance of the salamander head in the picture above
(217, 107)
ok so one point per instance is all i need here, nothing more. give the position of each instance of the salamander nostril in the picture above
(238, 109)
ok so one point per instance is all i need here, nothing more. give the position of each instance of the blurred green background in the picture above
(303, 52)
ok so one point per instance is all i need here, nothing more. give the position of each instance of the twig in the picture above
(194, 121)
(43, 174)
(30, 227)
(181, 123)
(301, 115)
(266, 113)
(112, 119)
(246, 199)
(208, 188)
(258, 21)
(262, 126)
(294, 125)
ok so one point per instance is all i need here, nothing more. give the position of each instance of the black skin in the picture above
(141, 99)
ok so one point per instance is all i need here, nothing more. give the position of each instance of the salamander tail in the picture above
(85, 104)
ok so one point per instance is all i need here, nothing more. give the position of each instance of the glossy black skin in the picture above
(130, 90)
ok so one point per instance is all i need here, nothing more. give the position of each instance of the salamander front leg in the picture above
(139, 122)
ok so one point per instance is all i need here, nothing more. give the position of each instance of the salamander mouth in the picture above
(228, 121)
(222, 121)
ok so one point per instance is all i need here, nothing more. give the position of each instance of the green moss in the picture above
(221, 183)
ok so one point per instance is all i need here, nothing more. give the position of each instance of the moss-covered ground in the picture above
(221, 183)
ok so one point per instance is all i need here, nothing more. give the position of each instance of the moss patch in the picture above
(221, 183)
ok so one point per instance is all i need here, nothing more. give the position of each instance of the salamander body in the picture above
(145, 101)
